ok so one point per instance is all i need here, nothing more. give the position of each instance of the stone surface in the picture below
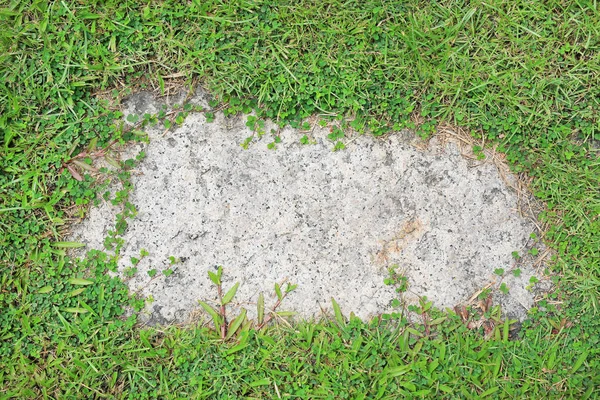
(330, 222)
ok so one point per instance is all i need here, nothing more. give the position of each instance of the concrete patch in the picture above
(331, 222)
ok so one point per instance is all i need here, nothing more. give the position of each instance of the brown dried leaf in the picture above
(74, 172)
(112, 161)
(85, 166)
(486, 304)
(488, 328)
(81, 155)
(462, 311)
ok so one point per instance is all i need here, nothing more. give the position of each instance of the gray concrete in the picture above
(331, 222)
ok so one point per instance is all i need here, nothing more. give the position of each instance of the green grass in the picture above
(522, 75)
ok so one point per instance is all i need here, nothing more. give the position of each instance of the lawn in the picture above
(518, 75)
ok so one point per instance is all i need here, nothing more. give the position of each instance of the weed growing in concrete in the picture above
(397, 279)
(240, 325)
(517, 272)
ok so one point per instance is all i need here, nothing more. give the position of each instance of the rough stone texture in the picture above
(331, 222)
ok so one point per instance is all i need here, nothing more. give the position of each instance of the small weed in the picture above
(485, 293)
(130, 272)
(251, 122)
(246, 143)
(532, 282)
(229, 329)
(335, 134)
(273, 144)
(339, 146)
(533, 236)
(396, 279)
(304, 139)
(478, 151)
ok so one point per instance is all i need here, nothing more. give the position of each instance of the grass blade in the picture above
(80, 281)
(260, 308)
(339, 317)
(580, 361)
(235, 324)
(217, 320)
(68, 245)
(230, 294)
